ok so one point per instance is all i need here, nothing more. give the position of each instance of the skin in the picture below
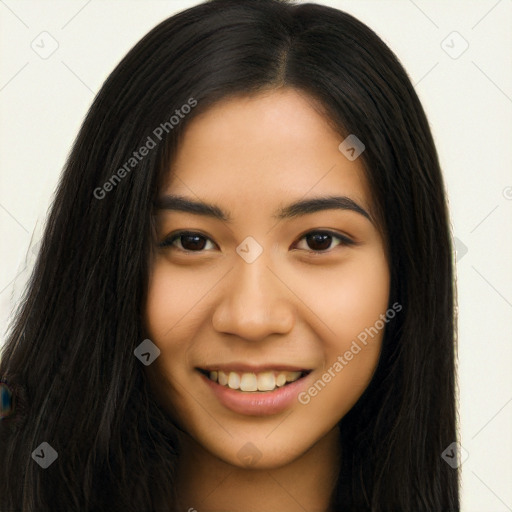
(250, 156)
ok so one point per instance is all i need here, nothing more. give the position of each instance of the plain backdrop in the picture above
(55, 55)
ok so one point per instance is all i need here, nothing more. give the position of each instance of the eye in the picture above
(316, 241)
(187, 241)
(321, 241)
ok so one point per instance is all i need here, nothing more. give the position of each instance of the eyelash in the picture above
(168, 242)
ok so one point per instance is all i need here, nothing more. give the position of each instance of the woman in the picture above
(244, 296)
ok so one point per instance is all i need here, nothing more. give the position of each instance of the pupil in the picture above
(195, 242)
(323, 239)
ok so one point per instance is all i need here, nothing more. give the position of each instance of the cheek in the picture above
(348, 298)
(351, 301)
(174, 298)
(173, 301)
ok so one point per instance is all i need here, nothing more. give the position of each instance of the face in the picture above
(260, 308)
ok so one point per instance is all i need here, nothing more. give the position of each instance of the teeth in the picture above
(264, 381)
(223, 378)
(281, 380)
(248, 382)
(234, 380)
(291, 376)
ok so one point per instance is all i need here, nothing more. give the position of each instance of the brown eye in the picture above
(321, 241)
(192, 242)
(187, 241)
(316, 241)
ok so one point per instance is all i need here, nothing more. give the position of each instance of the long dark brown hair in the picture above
(69, 358)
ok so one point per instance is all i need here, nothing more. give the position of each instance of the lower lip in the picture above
(257, 403)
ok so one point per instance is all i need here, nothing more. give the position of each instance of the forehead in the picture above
(251, 151)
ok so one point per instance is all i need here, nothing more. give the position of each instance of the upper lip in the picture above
(251, 368)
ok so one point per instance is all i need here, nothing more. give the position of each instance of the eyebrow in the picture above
(293, 210)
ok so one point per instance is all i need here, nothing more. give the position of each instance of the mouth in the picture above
(265, 381)
(255, 390)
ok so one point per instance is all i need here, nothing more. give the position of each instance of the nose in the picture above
(254, 302)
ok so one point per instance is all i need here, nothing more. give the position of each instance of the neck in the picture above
(206, 483)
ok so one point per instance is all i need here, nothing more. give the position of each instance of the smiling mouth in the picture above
(265, 381)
